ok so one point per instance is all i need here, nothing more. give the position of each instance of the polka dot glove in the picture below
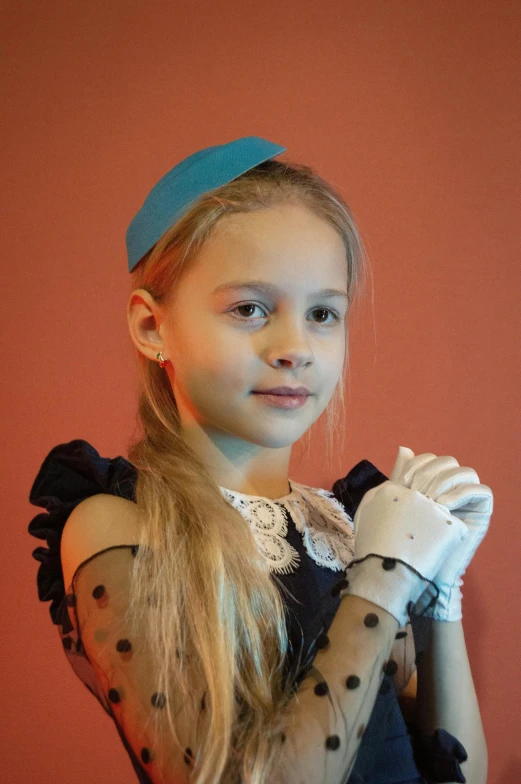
(457, 489)
(409, 537)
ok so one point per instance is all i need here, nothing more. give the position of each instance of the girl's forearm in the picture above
(446, 696)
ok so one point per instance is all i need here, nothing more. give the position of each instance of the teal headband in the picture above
(174, 194)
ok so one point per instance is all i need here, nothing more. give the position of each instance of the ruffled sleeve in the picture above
(70, 473)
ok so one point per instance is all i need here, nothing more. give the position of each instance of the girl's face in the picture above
(224, 342)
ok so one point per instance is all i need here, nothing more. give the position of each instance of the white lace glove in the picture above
(457, 488)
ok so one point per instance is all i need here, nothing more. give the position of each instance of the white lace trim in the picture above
(326, 528)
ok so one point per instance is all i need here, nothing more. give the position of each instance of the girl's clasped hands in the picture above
(416, 530)
(458, 489)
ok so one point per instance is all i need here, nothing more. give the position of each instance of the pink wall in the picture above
(413, 110)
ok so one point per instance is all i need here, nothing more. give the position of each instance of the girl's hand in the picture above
(444, 481)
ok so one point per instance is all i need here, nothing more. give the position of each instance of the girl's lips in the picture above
(283, 401)
(292, 391)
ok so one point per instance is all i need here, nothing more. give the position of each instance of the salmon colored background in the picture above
(413, 110)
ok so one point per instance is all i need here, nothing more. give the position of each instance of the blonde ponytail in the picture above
(213, 613)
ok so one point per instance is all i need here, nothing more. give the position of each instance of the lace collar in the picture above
(322, 521)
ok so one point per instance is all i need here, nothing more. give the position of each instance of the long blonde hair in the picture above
(213, 606)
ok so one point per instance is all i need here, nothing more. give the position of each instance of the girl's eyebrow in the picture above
(273, 290)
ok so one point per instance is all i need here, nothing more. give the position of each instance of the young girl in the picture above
(236, 625)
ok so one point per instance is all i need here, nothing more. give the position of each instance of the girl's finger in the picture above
(468, 498)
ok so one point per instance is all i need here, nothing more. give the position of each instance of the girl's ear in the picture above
(144, 323)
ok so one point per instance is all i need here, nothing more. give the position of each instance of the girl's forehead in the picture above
(281, 249)
(263, 238)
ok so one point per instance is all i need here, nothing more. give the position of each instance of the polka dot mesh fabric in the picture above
(348, 660)
(115, 664)
(336, 691)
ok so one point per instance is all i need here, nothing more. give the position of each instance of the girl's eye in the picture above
(335, 315)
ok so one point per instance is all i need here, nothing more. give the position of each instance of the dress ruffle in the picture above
(438, 756)
(351, 489)
(70, 473)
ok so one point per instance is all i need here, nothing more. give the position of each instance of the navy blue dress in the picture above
(390, 752)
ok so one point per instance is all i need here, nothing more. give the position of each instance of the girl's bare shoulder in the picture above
(96, 523)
